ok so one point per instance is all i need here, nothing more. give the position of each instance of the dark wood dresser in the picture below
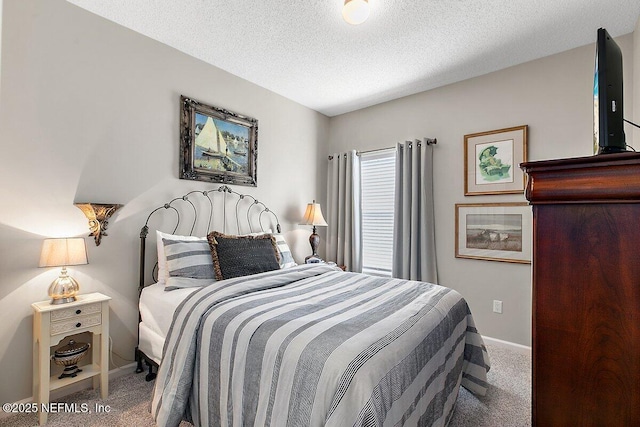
(586, 290)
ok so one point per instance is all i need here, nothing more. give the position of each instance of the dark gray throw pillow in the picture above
(235, 256)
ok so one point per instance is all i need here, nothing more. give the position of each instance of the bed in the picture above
(305, 345)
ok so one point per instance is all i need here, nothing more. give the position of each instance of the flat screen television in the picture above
(608, 133)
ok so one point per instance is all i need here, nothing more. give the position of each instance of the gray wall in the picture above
(89, 112)
(552, 95)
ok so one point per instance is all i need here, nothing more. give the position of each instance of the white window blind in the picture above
(377, 171)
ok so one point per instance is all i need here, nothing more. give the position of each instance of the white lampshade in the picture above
(313, 215)
(61, 253)
(355, 11)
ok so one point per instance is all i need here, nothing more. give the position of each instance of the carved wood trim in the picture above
(607, 178)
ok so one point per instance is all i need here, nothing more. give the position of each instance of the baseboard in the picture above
(518, 348)
(79, 386)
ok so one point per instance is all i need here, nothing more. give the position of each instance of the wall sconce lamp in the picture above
(98, 214)
(313, 216)
(61, 253)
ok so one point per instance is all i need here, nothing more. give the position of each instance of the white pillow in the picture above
(163, 272)
(189, 263)
(286, 259)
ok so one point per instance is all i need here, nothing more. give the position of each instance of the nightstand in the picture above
(51, 324)
(341, 267)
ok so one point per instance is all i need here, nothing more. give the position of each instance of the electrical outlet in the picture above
(497, 306)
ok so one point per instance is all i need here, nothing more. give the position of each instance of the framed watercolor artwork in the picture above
(492, 160)
(217, 145)
(494, 232)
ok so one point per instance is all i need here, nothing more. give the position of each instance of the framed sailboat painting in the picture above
(217, 145)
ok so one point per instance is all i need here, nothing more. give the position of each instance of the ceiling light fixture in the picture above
(355, 11)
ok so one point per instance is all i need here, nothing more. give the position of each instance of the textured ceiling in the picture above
(303, 50)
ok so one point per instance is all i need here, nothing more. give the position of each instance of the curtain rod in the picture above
(428, 141)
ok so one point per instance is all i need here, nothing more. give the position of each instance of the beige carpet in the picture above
(507, 403)
(508, 400)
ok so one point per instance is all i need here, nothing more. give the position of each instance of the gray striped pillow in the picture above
(189, 263)
(286, 259)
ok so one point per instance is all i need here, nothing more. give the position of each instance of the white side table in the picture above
(51, 324)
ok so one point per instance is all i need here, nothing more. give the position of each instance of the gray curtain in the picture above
(344, 236)
(414, 242)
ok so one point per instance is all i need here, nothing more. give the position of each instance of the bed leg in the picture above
(139, 368)
(151, 375)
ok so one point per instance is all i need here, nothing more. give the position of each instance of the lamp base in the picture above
(314, 241)
(64, 289)
(313, 259)
(62, 300)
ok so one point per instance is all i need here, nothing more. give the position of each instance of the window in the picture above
(377, 170)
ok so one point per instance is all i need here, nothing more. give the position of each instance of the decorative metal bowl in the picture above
(69, 356)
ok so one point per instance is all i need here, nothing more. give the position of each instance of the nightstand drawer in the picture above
(72, 312)
(76, 323)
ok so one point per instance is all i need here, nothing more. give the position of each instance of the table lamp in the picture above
(313, 216)
(62, 253)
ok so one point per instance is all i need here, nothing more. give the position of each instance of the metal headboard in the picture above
(251, 207)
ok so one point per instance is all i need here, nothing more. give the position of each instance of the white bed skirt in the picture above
(150, 343)
(156, 310)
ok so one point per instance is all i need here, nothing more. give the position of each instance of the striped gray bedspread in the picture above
(314, 346)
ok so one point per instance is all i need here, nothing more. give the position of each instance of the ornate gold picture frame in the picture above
(217, 145)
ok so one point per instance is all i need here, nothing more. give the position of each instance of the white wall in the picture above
(1, 7)
(89, 112)
(552, 95)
